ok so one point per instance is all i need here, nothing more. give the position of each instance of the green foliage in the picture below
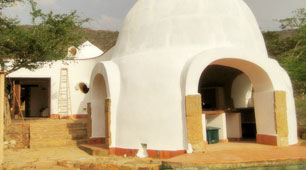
(45, 41)
(291, 51)
(301, 109)
(295, 22)
(7, 3)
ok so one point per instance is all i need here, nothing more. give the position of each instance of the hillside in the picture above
(101, 38)
(104, 39)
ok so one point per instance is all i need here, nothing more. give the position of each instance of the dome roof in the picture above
(206, 24)
(85, 51)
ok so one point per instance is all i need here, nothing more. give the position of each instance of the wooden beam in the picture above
(2, 93)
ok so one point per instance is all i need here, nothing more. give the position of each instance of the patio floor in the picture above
(240, 153)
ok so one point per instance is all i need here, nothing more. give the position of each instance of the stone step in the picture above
(56, 121)
(52, 143)
(80, 124)
(74, 137)
(57, 127)
(65, 126)
(55, 132)
(57, 137)
(95, 149)
(48, 132)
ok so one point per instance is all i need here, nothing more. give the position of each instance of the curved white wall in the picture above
(98, 106)
(196, 25)
(111, 76)
(241, 92)
(266, 76)
(161, 52)
(151, 102)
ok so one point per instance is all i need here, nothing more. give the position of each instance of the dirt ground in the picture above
(70, 157)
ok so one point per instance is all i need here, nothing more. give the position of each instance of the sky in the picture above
(109, 14)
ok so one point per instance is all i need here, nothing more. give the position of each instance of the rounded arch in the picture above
(104, 88)
(241, 91)
(98, 97)
(266, 76)
(258, 70)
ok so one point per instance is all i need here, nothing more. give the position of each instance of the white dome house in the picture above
(172, 72)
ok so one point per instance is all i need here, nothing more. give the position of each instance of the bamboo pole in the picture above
(2, 91)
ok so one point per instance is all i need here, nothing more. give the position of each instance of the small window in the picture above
(83, 87)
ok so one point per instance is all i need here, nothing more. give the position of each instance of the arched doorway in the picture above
(99, 111)
(227, 102)
(269, 102)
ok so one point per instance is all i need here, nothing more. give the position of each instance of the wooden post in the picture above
(16, 99)
(2, 91)
(108, 140)
(89, 121)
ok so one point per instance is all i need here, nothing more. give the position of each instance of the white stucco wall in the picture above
(79, 71)
(204, 124)
(233, 125)
(266, 76)
(98, 106)
(241, 92)
(161, 52)
(157, 41)
(219, 121)
(111, 77)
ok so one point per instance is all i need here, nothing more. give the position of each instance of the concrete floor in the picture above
(240, 153)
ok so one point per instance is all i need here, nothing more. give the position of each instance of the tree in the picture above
(289, 48)
(290, 51)
(295, 22)
(294, 58)
(45, 41)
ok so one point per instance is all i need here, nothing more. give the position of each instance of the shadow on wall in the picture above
(83, 104)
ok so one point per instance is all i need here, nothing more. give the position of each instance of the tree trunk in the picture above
(7, 113)
(2, 91)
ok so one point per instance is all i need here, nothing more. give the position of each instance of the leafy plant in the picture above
(45, 41)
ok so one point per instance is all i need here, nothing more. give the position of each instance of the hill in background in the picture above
(101, 38)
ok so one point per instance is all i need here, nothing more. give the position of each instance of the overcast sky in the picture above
(109, 14)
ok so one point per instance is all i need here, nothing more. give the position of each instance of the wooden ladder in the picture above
(64, 101)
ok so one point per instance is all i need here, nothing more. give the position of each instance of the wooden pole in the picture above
(89, 121)
(2, 91)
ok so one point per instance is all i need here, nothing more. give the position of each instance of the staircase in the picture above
(57, 132)
(95, 149)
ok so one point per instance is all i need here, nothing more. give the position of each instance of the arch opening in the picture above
(227, 102)
(98, 107)
(83, 88)
(260, 95)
